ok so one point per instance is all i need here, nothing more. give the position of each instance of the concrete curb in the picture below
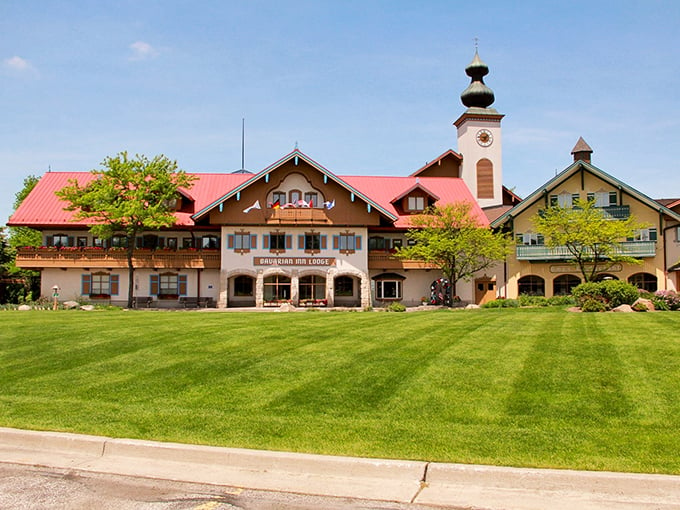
(459, 485)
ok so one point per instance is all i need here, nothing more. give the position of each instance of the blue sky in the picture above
(364, 87)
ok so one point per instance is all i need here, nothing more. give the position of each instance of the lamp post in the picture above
(55, 296)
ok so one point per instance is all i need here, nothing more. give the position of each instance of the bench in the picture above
(196, 302)
(142, 302)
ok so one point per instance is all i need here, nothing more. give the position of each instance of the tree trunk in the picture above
(131, 271)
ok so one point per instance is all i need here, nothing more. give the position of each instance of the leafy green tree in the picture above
(128, 196)
(452, 239)
(24, 236)
(592, 239)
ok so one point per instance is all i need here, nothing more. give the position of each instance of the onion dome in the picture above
(477, 95)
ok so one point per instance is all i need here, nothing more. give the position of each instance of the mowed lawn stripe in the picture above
(515, 387)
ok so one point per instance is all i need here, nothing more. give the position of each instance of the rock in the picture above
(647, 303)
(24, 308)
(286, 307)
(623, 308)
(574, 309)
(87, 308)
(71, 304)
(471, 306)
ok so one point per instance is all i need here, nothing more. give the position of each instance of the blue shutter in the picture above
(301, 242)
(253, 242)
(182, 284)
(336, 242)
(114, 284)
(289, 242)
(85, 284)
(265, 241)
(357, 242)
(230, 241)
(154, 285)
(324, 242)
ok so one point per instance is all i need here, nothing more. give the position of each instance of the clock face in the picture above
(484, 137)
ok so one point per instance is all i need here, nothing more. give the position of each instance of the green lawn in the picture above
(527, 387)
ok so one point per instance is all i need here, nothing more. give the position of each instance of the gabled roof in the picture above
(569, 172)
(384, 189)
(417, 185)
(437, 161)
(294, 155)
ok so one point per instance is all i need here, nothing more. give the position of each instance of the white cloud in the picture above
(142, 51)
(18, 65)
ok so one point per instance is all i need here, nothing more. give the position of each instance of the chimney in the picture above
(582, 150)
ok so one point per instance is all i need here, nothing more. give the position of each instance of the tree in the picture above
(129, 196)
(592, 239)
(24, 236)
(451, 238)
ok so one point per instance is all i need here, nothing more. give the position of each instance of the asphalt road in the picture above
(32, 488)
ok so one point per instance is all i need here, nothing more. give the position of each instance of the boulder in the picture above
(286, 307)
(623, 308)
(87, 308)
(71, 304)
(471, 306)
(24, 308)
(647, 303)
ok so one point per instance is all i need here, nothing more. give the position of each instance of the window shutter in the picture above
(85, 283)
(161, 242)
(324, 242)
(336, 242)
(230, 241)
(289, 242)
(253, 242)
(652, 234)
(590, 197)
(301, 242)
(49, 241)
(71, 241)
(613, 198)
(182, 284)
(357, 242)
(114, 284)
(153, 284)
(484, 180)
(265, 241)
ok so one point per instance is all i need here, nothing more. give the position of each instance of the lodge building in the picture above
(297, 233)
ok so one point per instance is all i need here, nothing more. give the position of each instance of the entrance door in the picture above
(485, 290)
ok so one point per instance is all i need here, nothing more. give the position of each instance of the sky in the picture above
(362, 87)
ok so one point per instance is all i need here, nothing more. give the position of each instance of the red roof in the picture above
(43, 209)
(384, 189)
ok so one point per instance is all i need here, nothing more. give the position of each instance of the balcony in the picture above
(293, 216)
(38, 258)
(539, 252)
(385, 260)
(616, 212)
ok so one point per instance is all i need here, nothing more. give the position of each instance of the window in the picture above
(187, 242)
(118, 241)
(277, 241)
(378, 243)
(388, 289)
(276, 288)
(81, 242)
(416, 203)
(171, 243)
(210, 243)
(565, 200)
(645, 234)
(529, 239)
(295, 196)
(312, 287)
(312, 198)
(347, 243)
(60, 240)
(644, 281)
(278, 197)
(100, 285)
(344, 286)
(168, 285)
(241, 242)
(531, 285)
(243, 286)
(312, 243)
(98, 242)
(603, 198)
(564, 284)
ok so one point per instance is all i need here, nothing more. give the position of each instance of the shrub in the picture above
(396, 307)
(593, 305)
(666, 300)
(611, 293)
(527, 300)
(501, 303)
(561, 301)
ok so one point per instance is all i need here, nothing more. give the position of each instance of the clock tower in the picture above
(479, 138)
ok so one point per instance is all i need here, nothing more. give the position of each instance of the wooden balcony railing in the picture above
(36, 258)
(385, 260)
(639, 249)
(292, 216)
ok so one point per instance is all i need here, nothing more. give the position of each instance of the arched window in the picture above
(344, 286)
(564, 284)
(531, 285)
(312, 287)
(484, 178)
(276, 287)
(644, 281)
(243, 286)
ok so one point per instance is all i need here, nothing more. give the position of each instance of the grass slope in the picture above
(541, 388)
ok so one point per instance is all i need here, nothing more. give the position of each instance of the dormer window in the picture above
(603, 198)
(416, 203)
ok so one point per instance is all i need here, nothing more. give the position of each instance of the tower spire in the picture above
(477, 94)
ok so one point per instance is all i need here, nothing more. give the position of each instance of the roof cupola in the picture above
(582, 151)
(477, 94)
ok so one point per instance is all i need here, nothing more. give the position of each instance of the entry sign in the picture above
(294, 261)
